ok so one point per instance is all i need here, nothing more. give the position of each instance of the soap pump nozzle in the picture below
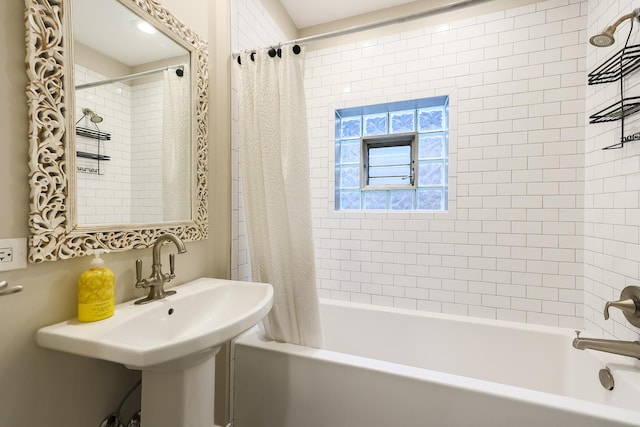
(97, 261)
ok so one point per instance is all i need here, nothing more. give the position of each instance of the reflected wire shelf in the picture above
(88, 170)
(93, 156)
(94, 134)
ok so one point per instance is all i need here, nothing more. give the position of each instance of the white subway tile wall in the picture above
(612, 178)
(510, 247)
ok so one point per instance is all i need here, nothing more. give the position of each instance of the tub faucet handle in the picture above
(629, 304)
(625, 305)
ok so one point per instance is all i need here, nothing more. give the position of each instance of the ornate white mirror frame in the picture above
(55, 233)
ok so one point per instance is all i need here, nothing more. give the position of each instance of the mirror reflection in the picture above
(132, 113)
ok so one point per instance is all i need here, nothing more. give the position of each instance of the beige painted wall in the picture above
(40, 387)
(98, 61)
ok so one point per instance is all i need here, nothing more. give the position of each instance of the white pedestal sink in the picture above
(173, 341)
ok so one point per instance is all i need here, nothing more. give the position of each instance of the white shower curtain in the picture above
(176, 152)
(274, 159)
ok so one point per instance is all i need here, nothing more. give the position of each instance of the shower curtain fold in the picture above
(176, 152)
(274, 166)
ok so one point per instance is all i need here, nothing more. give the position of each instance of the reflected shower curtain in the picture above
(176, 151)
(274, 166)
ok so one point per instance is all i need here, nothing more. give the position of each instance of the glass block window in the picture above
(393, 156)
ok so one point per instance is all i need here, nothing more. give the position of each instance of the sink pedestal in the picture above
(173, 341)
(180, 393)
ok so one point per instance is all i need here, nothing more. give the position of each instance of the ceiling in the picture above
(109, 27)
(306, 13)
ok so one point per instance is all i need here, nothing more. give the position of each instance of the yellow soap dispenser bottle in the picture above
(96, 290)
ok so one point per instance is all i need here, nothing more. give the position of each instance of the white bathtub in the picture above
(389, 367)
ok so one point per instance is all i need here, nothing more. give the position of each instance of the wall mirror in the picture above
(117, 100)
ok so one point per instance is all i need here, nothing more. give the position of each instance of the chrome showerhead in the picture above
(94, 117)
(606, 38)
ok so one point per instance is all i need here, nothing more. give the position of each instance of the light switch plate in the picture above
(13, 254)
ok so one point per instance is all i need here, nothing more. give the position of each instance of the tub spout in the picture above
(623, 348)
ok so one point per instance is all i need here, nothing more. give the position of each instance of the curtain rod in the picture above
(359, 28)
(364, 27)
(179, 71)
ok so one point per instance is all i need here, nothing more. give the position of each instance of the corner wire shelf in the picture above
(622, 63)
(99, 136)
(617, 110)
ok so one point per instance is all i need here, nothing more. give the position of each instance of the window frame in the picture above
(388, 140)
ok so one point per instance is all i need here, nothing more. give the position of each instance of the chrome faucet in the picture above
(157, 280)
(629, 304)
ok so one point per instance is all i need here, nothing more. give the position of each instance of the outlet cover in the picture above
(13, 254)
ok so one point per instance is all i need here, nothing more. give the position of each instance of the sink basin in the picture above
(201, 316)
(173, 341)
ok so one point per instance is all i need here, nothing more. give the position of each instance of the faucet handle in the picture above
(629, 304)
(172, 264)
(138, 273)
